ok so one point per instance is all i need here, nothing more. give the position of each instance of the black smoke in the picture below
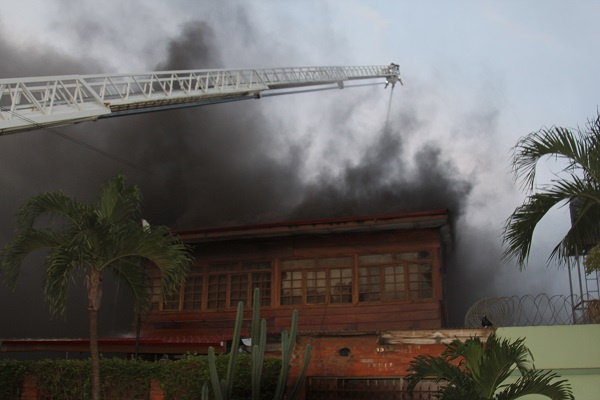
(220, 165)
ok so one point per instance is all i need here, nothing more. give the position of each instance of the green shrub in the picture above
(69, 379)
(183, 379)
(127, 379)
(11, 379)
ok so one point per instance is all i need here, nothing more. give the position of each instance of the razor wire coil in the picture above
(538, 310)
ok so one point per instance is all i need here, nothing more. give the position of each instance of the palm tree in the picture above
(474, 372)
(578, 183)
(94, 239)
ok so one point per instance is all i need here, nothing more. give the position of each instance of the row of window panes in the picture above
(393, 257)
(240, 288)
(382, 277)
(400, 281)
(316, 286)
(239, 266)
(328, 262)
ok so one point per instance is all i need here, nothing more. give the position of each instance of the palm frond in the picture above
(585, 227)
(51, 203)
(13, 254)
(132, 272)
(157, 246)
(461, 388)
(554, 142)
(62, 262)
(429, 367)
(592, 260)
(501, 357)
(118, 202)
(108, 235)
(537, 382)
(482, 371)
(520, 226)
(592, 139)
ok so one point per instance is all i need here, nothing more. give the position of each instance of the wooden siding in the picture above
(361, 318)
(355, 317)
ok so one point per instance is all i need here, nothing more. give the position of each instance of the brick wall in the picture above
(156, 391)
(356, 356)
(366, 357)
(30, 390)
(383, 355)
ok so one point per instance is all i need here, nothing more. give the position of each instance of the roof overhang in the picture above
(405, 221)
(428, 337)
(162, 345)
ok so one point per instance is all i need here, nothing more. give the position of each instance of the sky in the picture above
(478, 75)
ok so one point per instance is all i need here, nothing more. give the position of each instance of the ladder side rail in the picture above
(190, 83)
(77, 99)
(185, 83)
(24, 91)
(226, 80)
(53, 97)
(40, 96)
(257, 78)
(15, 98)
(162, 86)
(63, 95)
(170, 85)
(2, 90)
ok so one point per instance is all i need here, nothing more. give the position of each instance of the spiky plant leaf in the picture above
(473, 371)
(579, 182)
(540, 383)
(89, 240)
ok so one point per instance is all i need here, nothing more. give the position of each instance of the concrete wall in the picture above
(572, 351)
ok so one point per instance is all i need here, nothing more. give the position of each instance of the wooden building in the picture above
(369, 292)
(361, 274)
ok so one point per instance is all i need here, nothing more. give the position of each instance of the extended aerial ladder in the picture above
(42, 102)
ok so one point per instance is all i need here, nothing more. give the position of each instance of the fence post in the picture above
(156, 391)
(30, 389)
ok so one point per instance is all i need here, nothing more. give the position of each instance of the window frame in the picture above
(274, 269)
(316, 268)
(406, 264)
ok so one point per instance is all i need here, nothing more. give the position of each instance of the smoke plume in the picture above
(220, 165)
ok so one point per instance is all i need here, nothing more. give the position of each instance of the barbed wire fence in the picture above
(530, 310)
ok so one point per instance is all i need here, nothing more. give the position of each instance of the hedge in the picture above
(128, 379)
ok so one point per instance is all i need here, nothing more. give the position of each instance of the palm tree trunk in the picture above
(94, 354)
(94, 289)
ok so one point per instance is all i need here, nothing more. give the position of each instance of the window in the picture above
(420, 281)
(189, 297)
(230, 283)
(155, 289)
(340, 290)
(192, 293)
(158, 301)
(318, 388)
(221, 286)
(386, 277)
(390, 277)
(317, 281)
(171, 303)
(291, 287)
(217, 291)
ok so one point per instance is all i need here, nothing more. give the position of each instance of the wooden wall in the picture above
(356, 317)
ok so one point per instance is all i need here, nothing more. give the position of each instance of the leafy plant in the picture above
(223, 388)
(129, 379)
(95, 239)
(474, 372)
(12, 376)
(577, 183)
